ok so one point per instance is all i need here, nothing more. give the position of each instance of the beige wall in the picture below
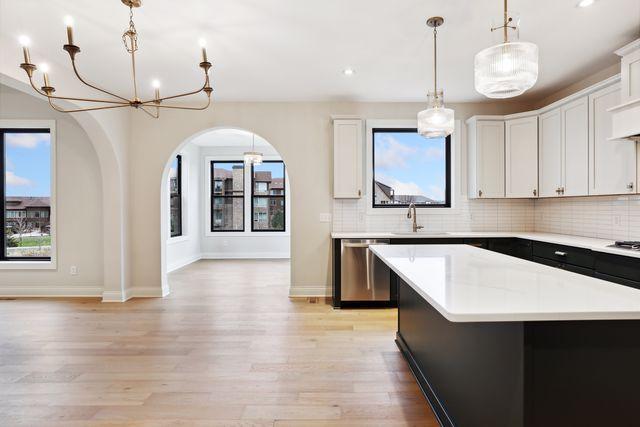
(302, 134)
(79, 207)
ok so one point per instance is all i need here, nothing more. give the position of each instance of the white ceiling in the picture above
(285, 50)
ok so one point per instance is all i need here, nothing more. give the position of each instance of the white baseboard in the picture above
(50, 291)
(183, 262)
(114, 296)
(305, 291)
(245, 255)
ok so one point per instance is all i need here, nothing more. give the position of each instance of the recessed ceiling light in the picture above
(586, 3)
(348, 71)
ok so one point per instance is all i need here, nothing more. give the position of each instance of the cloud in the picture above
(435, 193)
(173, 172)
(8, 163)
(391, 153)
(13, 179)
(401, 187)
(435, 153)
(26, 140)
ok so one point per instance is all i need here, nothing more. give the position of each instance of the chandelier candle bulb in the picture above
(24, 41)
(69, 23)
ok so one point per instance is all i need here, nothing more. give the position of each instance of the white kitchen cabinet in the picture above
(550, 152)
(612, 163)
(575, 148)
(347, 158)
(521, 157)
(486, 158)
(564, 150)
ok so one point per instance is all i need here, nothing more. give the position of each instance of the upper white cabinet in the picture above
(564, 150)
(612, 163)
(347, 158)
(486, 158)
(550, 147)
(521, 157)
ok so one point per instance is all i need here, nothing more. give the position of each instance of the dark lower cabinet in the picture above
(624, 270)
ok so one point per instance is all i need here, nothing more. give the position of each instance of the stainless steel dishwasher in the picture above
(363, 277)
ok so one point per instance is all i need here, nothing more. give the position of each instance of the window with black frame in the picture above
(227, 196)
(25, 194)
(268, 203)
(175, 196)
(408, 168)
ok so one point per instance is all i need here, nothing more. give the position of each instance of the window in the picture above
(408, 168)
(25, 193)
(227, 196)
(175, 196)
(268, 196)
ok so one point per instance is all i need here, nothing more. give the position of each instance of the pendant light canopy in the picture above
(436, 121)
(507, 69)
(253, 157)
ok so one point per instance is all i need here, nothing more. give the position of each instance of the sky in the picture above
(28, 164)
(410, 163)
(276, 169)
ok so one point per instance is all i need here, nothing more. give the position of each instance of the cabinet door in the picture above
(612, 168)
(490, 159)
(550, 153)
(521, 157)
(347, 159)
(575, 156)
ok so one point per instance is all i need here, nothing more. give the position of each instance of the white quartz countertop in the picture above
(469, 284)
(598, 245)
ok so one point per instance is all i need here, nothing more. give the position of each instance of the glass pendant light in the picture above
(507, 69)
(253, 157)
(436, 121)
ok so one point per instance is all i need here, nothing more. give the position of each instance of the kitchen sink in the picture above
(422, 234)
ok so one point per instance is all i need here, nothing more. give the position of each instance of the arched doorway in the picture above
(216, 207)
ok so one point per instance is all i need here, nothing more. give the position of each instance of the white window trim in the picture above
(39, 265)
(184, 196)
(247, 201)
(455, 169)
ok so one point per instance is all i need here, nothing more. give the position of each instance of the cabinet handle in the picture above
(560, 253)
(535, 192)
(630, 186)
(558, 190)
(479, 193)
(561, 190)
(359, 192)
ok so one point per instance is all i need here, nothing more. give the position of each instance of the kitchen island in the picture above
(494, 340)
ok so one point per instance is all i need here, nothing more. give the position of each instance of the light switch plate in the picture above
(325, 217)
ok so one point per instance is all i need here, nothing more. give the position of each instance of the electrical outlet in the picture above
(617, 220)
(361, 217)
(325, 217)
(73, 270)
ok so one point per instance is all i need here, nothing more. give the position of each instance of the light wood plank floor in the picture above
(226, 348)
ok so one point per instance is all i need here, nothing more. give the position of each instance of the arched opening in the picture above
(215, 206)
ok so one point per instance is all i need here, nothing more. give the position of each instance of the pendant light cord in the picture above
(506, 22)
(435, 62)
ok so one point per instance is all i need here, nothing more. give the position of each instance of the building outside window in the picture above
(268, 198)
(227, 196)
(25, 194)
(408, 168)
(175, 196)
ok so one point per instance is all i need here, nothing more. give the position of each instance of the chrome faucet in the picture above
(416, 227)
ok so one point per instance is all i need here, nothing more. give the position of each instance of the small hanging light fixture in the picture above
(507, 69)
(436, 121)
(253, 157)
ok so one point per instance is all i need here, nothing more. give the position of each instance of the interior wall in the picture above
(79, 228)
(185, 249)
(303, 135)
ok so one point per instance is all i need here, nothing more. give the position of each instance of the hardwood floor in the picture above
(226, 348)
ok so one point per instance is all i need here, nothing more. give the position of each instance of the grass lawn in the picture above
(34, 241)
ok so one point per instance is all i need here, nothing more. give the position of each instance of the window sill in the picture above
(177, 239)
(27, 265)
(246, 234)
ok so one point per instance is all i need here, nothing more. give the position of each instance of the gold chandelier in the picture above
(130, 39)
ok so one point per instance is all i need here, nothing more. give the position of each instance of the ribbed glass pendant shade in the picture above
(252, 158)
(506, 70)
(436, 121)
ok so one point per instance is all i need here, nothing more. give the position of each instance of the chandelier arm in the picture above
(179, 107)
(68, 98)
(75, 70)
(155, 116)
(152, 101)
(78, 110)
